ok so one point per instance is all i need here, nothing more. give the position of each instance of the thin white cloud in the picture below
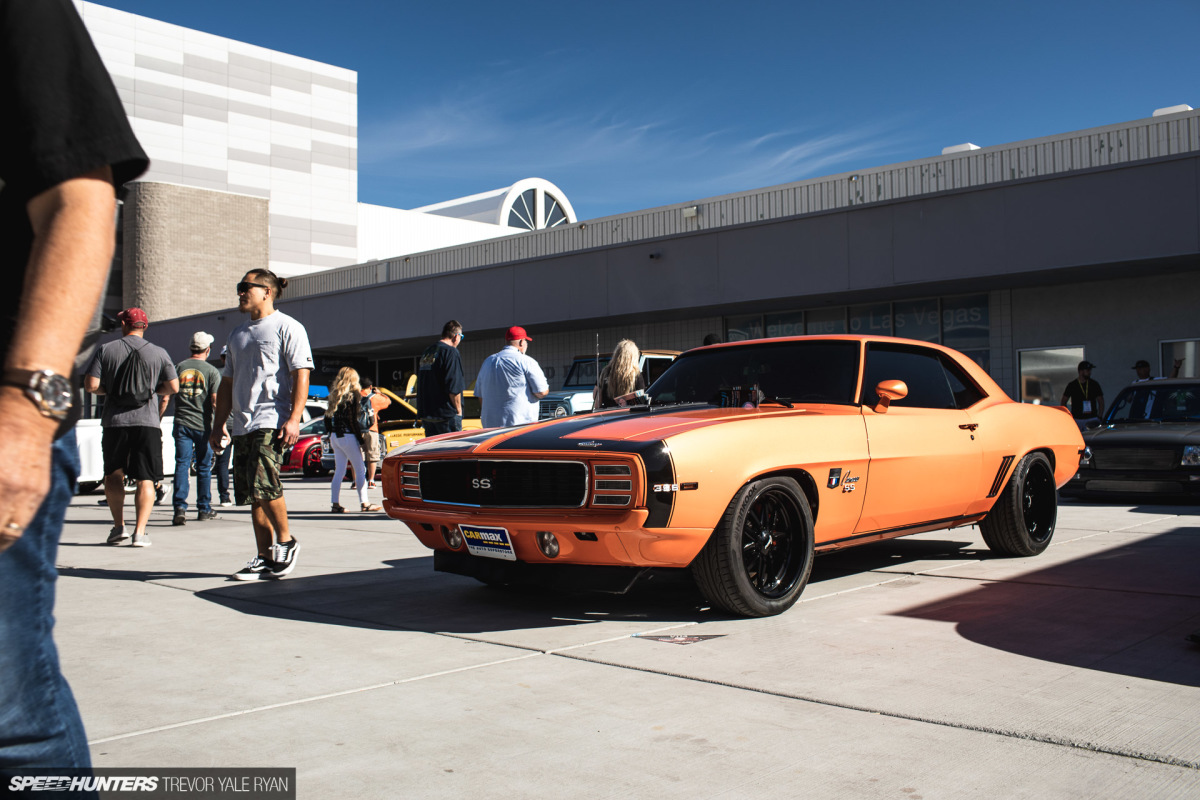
(610, 159)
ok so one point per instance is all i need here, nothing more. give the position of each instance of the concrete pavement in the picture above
(916, 668)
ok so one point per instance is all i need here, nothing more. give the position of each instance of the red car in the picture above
(305, 454)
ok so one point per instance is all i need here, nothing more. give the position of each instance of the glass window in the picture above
(917, 319)
(1045, 373)
(825, 320)
(653, 369)
(965, 324)
(521, 214)
(555, 215)
(920, 370)
(790, 323)
(1186, 349)
(966, 393)
(871, 320)
(749, 326)
(802, 370)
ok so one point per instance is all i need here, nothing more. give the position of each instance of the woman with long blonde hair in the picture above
(345, 437)
(620, 376)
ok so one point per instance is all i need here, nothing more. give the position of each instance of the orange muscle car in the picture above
(747, 460)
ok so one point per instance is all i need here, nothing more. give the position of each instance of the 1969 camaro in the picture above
(746, 460)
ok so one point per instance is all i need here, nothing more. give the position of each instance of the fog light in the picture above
(1085, 456)
(452, 537)
(547, 543)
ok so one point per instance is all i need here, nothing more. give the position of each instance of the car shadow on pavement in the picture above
(409, 595)
(1126, 610)
(891, 553)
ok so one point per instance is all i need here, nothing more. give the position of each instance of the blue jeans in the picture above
(188, 443)
(435, 425)
(39, 721)
(221, 466)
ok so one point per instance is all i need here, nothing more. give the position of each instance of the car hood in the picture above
(616, 430)
(1144, 433)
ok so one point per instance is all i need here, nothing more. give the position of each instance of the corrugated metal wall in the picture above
(1098, 147)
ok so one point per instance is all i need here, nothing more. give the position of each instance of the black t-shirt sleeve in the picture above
(63, 117)
(454, 374)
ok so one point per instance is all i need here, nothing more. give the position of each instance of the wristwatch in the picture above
(48, 390)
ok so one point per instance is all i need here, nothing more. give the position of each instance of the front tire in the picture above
(1023, 519)
(757, 561)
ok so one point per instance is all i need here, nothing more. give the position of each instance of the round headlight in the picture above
(560, 411)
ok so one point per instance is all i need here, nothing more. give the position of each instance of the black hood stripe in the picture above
(655, 454)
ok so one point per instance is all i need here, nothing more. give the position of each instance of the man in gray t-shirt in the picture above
(132, 438)
(264, 386)
(198, 382)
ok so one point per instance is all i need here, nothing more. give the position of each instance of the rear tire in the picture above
(1022, 521)
(757, 561)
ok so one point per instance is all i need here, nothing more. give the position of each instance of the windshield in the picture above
(583, 373)
(1151, 401)
(796, 371)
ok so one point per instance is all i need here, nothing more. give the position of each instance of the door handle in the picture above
(969, 427)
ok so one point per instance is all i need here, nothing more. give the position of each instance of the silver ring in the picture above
(12, 526)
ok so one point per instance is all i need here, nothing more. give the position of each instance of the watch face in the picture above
(56, 393)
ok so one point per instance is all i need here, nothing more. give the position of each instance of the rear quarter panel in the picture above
(1017, 429)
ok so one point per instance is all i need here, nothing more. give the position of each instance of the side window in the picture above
(921, 371)
(966, 393)
(654, 368)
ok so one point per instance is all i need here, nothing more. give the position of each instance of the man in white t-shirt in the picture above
(510, 383)
(264, 386)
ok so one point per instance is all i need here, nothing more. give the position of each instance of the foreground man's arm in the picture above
(74, 235)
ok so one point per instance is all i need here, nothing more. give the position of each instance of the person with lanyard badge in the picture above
(1084, 397)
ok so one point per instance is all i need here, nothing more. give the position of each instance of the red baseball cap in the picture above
(134, 318)
(516, 333)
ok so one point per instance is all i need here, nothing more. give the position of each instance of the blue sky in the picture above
(630, 105)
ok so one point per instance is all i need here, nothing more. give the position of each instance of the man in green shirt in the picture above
(198, 382)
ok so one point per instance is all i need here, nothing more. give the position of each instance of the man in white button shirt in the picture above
(510, 384)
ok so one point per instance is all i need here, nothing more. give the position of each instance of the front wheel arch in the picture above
(758, 559)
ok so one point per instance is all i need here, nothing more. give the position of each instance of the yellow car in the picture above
(400, 424)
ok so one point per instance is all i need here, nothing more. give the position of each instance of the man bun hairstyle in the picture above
(451, 328)
(276, 283)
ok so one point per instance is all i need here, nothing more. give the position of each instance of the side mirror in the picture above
(889, 391)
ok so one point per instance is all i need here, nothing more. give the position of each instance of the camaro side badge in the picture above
(590, 444)
(850, 484)
(835, 478)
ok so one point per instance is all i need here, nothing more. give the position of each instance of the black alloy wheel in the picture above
(1022, 521)
(757, 561)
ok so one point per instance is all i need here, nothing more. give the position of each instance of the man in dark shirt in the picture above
(440, 383)
(194, 404)
(64, 143)
(1084, 397)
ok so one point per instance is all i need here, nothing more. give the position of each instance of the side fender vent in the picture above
(1005, 463)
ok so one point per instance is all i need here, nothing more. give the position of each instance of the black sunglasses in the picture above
(245, 286)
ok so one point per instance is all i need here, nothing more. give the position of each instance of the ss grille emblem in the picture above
(481, 483)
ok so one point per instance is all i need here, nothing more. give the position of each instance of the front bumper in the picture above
(585, 536)
(1170, 483)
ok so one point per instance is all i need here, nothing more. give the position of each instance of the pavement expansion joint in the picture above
(306, 700)
(1060, 741)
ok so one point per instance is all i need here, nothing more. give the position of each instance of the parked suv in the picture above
(576, 393)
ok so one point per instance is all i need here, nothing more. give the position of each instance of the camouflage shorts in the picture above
(256, 460)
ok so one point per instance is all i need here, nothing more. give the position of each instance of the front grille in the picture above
(546, 408)
(1134, 458)
(504, 484)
